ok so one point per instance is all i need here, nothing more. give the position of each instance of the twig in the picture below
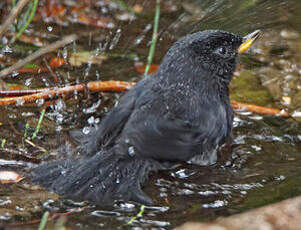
(14, 93)
(154, 38)
(50, 71)
(49, 48)
(13, 14)
(52, 93)
(36, 146)
(12, 151)
(258, 109)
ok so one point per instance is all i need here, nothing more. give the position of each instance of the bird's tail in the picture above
(102, 178)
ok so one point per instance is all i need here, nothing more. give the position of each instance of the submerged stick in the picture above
(49, 48)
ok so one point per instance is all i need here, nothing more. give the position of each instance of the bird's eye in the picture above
(221, 51)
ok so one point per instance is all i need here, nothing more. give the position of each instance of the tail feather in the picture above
(102, 178)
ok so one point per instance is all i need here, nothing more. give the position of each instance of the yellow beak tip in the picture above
(248, 41)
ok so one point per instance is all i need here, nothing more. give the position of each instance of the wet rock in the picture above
(283, 215)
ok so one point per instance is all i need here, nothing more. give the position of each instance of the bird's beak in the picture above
(248, 41)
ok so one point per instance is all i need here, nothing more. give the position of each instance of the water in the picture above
(261, 167)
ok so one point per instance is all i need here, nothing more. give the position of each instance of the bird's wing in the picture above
(173, 140)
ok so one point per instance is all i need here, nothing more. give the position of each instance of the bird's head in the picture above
(210, 51)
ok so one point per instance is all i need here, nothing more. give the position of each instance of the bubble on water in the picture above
(103, 213)
(207, 193)
(5, 216)
(280, 178)
(256, 148)
(126, 206)
(185, 192)
(18, 208)
(4, 202)
(216, 204)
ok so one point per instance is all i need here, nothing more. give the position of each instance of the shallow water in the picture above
(260, 168)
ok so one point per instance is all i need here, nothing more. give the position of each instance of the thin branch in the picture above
(258, 109)
(13, 14)
(49, 48)
(52, 93)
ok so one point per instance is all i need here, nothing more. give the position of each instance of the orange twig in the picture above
(52, 93)
(258, 109)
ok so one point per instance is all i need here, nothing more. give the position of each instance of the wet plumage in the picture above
(180, 114)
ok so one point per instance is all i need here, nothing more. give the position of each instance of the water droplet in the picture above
(40, 102)
(91, 120)
(58, 128)
(86, 130)
(59, 118)
(20, 102)
(60, 105)
(131, 151)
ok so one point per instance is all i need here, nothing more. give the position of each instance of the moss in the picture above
(247, 88)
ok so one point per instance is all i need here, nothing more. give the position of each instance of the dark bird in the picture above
(180, 114)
